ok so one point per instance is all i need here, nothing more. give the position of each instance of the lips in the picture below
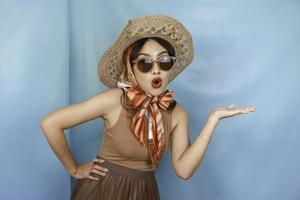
(156, 82)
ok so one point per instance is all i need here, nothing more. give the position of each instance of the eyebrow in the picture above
(149, 54)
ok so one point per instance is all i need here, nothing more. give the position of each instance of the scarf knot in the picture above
(147, 121)
(154, 99)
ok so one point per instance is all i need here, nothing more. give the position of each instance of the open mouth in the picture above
(156, 82)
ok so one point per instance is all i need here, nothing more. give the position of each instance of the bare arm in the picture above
(54, 123)
(187, 157)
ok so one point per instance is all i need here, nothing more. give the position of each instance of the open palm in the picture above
(231, 110)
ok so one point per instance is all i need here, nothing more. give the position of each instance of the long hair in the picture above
(127, 75)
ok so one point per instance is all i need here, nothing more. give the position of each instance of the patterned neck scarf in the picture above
(147, 121)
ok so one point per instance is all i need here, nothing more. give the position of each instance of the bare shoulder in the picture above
(98, 105)
(107, 101)
(179, 114)
(110, 95)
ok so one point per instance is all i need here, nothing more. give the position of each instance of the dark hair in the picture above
(137, 46)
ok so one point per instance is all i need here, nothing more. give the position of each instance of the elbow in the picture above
(183, 175)
(46, 125)
(49, 126)
(182, 172)
(43, 123)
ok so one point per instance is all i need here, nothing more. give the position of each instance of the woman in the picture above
(141, 117)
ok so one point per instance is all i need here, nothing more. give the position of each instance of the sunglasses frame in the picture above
(154, 60)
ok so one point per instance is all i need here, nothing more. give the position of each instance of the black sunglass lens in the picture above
(144, 65)
(166, 64)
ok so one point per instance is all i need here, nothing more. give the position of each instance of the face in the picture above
(156, 79)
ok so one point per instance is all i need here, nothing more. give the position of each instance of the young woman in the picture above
(141, 117)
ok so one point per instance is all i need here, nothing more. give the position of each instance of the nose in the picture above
(155, 69)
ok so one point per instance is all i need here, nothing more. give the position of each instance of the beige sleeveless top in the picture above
(120, 146)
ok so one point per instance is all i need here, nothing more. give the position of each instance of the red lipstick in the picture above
(156, 82)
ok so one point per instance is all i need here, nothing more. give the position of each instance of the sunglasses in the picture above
(145, 64)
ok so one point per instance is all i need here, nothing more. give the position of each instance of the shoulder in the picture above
(179, 114)
(179, 110)
(95, 106)
(110, 95)
(106, 101)
(113, 92)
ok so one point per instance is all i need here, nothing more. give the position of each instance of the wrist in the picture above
(73, 171)
(213, 118)
(205, 136)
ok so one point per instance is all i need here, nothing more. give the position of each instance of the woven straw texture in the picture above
(110, 64)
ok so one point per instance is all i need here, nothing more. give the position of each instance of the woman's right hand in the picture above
(87, 169)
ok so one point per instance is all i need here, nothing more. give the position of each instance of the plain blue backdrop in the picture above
(246, 52)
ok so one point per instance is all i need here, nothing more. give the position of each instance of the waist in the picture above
(119, 169)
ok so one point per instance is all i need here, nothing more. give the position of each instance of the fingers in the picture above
(97, 172)
(231, 110)
(231, 106)
(251, 108)
(98, 160)
(241, 110)
(101, 168)
(96, 169)
(247, 110)
(93, 177)
(92, 170)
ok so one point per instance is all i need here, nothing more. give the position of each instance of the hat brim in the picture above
(110, 65)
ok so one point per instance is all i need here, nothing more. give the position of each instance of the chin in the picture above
(151, 90)
(156, 91)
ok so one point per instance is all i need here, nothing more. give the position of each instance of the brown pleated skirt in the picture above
(119, 183)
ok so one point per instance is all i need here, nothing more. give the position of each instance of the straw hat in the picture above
(110, 65)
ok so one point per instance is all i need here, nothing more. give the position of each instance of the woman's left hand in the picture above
(229, 111)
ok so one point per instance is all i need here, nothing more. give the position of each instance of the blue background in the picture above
(246, 52)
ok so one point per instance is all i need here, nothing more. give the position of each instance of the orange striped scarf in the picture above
(145, 124)
(156, 137)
